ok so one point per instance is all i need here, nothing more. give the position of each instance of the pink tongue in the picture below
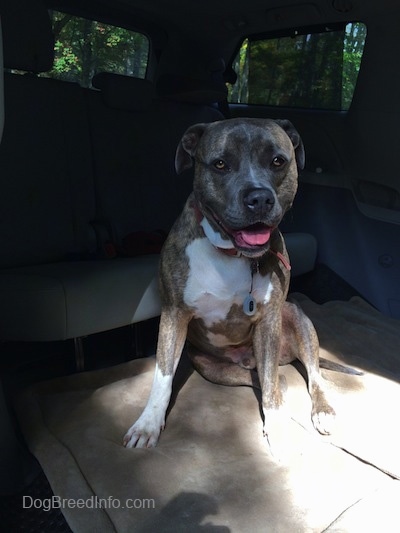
(255, 237)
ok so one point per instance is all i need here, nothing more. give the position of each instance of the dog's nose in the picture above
(259, 200)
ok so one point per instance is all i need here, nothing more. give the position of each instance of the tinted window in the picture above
(304, 69)
(84, 47)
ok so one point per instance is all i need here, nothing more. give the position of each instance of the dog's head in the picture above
(245, 176)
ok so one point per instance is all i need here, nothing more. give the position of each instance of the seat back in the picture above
(46, 188)
(1, 85)
(135, 136)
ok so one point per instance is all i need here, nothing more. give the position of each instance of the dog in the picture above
(225, 271)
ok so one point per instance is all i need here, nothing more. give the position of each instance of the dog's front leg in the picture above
(306, 348)
(266, 345)
(171, 338)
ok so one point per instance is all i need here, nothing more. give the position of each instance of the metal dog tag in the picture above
(249, 305)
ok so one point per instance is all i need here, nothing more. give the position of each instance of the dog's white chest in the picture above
(217, 281)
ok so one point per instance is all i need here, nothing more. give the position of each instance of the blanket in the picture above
(212, 471)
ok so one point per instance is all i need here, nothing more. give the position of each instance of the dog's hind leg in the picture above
(300, 333)
(221, 371)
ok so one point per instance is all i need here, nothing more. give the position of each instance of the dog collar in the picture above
(282, 259)
(221, 244)
(225, 245)
(235, 253)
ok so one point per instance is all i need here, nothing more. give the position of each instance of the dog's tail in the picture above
(337, 367)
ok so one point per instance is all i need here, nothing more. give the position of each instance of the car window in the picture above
(301, 69)
(84, 47)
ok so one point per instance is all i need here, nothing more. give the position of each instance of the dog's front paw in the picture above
(324, 421)
(275, 432)
(143, 434)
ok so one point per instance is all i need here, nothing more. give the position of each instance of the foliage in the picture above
(314, 70)
(84, 47)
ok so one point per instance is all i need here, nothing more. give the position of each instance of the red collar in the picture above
(282, 259)
(232, 252)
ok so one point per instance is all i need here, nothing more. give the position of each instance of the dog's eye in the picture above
(278, 161)
(220, 164)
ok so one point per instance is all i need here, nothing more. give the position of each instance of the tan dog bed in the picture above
(212, 471)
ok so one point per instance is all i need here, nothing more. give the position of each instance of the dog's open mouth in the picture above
(252, 239)
(252, 236)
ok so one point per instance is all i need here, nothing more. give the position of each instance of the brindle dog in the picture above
(224, 272)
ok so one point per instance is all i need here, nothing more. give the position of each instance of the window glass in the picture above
(84, 47)
(304, 69)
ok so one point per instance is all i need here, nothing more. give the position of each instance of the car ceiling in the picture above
(222, 17)
(217, 27)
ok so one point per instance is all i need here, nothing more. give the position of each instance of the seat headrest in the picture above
(190, 90)
(124, 92)
(28, 41)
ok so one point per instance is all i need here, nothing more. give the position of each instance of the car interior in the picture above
(95, 96)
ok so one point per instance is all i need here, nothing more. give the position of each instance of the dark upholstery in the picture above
(27, 35)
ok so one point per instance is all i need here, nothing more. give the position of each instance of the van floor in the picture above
(22, 364)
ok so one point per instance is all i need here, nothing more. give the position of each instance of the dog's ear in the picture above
(187, 147)
(296, 141)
